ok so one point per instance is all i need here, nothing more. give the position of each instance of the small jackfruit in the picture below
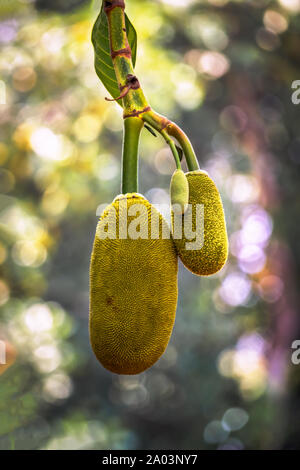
(208, 253)
(179, 191)
(133, 287)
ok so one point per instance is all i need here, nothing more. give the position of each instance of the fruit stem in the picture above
(131, 138)
(162, 124)
(183, 140)
(173, 149)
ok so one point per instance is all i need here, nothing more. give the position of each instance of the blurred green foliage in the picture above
(223, 70)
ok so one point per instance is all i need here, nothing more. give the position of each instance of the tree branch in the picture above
(134, 100)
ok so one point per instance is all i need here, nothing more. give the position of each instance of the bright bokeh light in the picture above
(213, 64)
(18, 222)
(38, 318)
(188, 95)
(47, 357)
(242, 188)
(275, 22)
(293, 6)
(53, 40)
(29, 253)
(247, 364)
(257, 227)
(235, 289)
(46, 144)
(252, 259)
(250, 366)
(57, 386)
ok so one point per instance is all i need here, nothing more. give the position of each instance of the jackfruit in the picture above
(133, 286)
(179, 191)
(208, 252)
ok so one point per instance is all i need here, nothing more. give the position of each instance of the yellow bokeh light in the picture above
(87, 127)
(248, 367)
(22, 136)
(29, 253)
(55, 201)
(81, 31)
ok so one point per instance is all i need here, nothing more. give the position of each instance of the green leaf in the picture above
(103, 63)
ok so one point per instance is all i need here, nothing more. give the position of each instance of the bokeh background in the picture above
(223, 71)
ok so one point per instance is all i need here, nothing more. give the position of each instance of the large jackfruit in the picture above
(133, 288)
(212, 255)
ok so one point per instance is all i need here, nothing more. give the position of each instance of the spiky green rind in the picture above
(133, 295)
(213, 254)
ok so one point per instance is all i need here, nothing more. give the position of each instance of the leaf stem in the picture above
(131, 137)
(184, 142)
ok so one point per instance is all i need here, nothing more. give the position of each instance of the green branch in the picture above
(131, 137)
(134, 100)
